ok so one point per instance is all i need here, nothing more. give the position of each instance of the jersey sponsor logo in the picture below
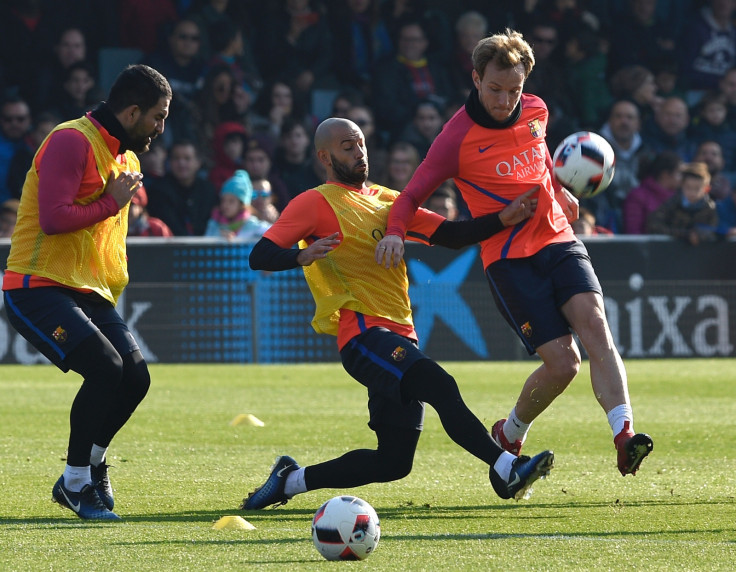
(524, 164)
(535, 128)
(484, 149)
(398, 354)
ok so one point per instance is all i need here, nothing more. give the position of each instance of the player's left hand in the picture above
(569, 203)
(520, 209)
(389, 251)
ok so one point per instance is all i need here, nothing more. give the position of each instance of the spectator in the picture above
(444, 201)
(547, 79)
(436, 24)
(667, 130)
(710, 153)
(21, 161)
(403, 160)
(344, 100)
(262, 202)
(183, 199)
(363, 117)
(8, 217)
(142, 23)
(361, 39)
(228, 149)
(470, 28)
(709, 123)
(660, 180)
(294, 159)
(690, 214)
(425, 125)
(258, 161)
(153, 163)
(15, 124)
(707, 47)
(585, 71)
(78, 94)
(70, 48)
(180, 61)
(140, 223)
(233, 218)
(726, 210)
(231, 49)
(622, 132)
(275, 104)
(28, 29)
(667, 78)
(296, 46)
(221, 99)
(585, 225)
(636, 83)
(727, 86)
(403, 80)
(640, 37)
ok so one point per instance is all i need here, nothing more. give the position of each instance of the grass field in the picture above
(179, 466)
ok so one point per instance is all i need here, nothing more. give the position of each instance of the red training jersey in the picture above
(491, 167)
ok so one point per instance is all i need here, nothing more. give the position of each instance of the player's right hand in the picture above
(123, 187)
(320, 248)
(389, 251)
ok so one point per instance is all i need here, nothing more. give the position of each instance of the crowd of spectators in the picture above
(252, 79)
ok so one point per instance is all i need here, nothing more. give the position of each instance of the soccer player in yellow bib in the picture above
(337, 226)
(67, 267)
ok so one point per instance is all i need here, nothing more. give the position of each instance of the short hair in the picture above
(696, 170)
(507, 49)
(139, 85)
(628, 79)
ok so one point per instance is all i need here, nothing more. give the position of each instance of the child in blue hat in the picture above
(233, 219)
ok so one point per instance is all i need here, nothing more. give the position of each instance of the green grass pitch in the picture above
(179, 466)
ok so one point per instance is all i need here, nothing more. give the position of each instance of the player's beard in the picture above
(349, 175)
(140, 141)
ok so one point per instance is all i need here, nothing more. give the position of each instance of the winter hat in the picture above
(240, 186)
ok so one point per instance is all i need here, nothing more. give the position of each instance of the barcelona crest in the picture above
(535, 128)
(59, 335)
(398, 354)
(526, 329)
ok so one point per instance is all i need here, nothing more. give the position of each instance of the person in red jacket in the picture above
(540, 275)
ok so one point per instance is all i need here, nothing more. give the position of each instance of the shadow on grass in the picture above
(409, 510)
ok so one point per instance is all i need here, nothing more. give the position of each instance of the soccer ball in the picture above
(584, 164)
(346, 528)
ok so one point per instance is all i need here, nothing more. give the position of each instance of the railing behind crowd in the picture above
(196, 300)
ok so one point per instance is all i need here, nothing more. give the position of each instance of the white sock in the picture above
(295, 483)
(514, 428)
(620, 415)
(502, 466)
(76, 477)
(97, 455)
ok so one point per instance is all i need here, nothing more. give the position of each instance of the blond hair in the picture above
(507, 50)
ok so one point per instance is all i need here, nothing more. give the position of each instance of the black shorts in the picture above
(56, 320)
(379, 358)
(529, 292)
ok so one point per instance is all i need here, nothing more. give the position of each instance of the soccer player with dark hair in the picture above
(67, 268)
(337, 226)
(541, 276)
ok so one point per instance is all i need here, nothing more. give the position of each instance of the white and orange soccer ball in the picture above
(346, 528)
(584, 164)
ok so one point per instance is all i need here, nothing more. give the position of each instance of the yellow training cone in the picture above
(247, 419)
(233, 523)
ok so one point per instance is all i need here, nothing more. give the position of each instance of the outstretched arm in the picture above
(267, 255)
(456, 234)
